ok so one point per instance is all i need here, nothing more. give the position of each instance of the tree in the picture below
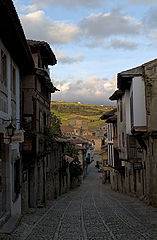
(55, 124)
(75, 166)
(52, 130)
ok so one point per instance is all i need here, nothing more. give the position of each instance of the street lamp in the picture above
(10, 130)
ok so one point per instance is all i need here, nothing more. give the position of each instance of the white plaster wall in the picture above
(110, 144)
(139, 105)
(127, 112)
(89, 151)
(111, 155)
(14, 207)
(118, 121)
(6, 116)
(17, 98)
(110, 132)
(121, 125)
(3, 115)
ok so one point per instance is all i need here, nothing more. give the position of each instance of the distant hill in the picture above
(66, 110)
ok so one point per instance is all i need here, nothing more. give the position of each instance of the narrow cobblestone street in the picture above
(91, 211)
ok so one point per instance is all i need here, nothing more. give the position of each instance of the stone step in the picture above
(10, 225)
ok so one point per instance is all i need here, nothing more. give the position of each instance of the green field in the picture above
(66, 110)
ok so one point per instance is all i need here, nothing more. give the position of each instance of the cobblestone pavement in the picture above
(90, 212)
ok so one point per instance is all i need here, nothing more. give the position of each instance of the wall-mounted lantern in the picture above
(10, 130)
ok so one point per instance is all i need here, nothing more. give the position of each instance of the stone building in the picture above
(149, 134)
(105, 165)
(130, 98)
(78, 123)
(81, 145)
(15, 62)
(57, 170)
(101, 131)
(97, 143)
(67, 131)
(136, 104)
(116, 166)
(82, 159)
(36, 97)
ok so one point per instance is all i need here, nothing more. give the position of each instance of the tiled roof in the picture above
(152, 61)
(77, 141)
(140, 128)
(12, 35)
(90, 137)
(61, 140)
(116, 95)
(108, 114)
(80, 147)
(45, 50)
(67, 129)
(112, 119)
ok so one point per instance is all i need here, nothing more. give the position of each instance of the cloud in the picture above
(154, 38)
(94, 29)
(67, 3)
(150, 19)
(149, 25)
(38, 26)
(143, 1)
(122, 44)
(104, 25)
(65, 59)
(93, 90)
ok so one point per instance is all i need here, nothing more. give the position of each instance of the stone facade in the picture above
(97, 143)
(136, 121)
(14, 64)
(36, 97)
(57, 171)
(78, 123)
(150, 138)
(67, 131)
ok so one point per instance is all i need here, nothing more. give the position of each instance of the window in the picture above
(47, 161)
(119, 141)
(131, 110)
(111, 132)
(105, 163)
(114, 130)
(40, 122)
(39, 61)
(108, 132)
(121, 110)
(3, 68)
(44, 119)
(152, 149)
(139, 176)
(13, 80)
(123, 140)
(44, 89)
(27, 122)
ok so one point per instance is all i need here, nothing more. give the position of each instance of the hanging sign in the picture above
(6, 138)
(18, 136)
(137, 165)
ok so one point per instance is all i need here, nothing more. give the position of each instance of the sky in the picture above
(93, 40)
